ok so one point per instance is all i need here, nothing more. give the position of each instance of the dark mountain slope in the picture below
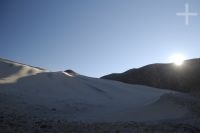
(184, 78)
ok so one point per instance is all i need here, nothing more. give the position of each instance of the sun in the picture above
(177, 59)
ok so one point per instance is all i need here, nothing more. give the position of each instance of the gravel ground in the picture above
(15, 124)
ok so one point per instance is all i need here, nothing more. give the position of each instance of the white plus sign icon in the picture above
(186, 14)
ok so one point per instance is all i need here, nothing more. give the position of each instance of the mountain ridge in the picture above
(185, 78)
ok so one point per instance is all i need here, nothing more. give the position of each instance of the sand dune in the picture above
(59, 95)
(10, 71)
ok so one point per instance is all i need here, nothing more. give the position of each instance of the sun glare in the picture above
(177, 59)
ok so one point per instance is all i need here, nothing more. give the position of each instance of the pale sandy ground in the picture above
(34, 100)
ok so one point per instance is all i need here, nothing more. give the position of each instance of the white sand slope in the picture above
(10, 71)
(58, 95)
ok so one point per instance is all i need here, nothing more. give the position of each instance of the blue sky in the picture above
(97, 37)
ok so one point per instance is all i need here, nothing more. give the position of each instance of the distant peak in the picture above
(71, 72)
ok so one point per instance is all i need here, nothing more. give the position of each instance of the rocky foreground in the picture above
(15, 124)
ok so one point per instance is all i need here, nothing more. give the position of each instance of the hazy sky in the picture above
(97, 37)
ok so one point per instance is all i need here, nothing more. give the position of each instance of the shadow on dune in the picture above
(8, 69)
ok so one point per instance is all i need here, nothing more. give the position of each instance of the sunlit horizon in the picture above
(178, 59)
